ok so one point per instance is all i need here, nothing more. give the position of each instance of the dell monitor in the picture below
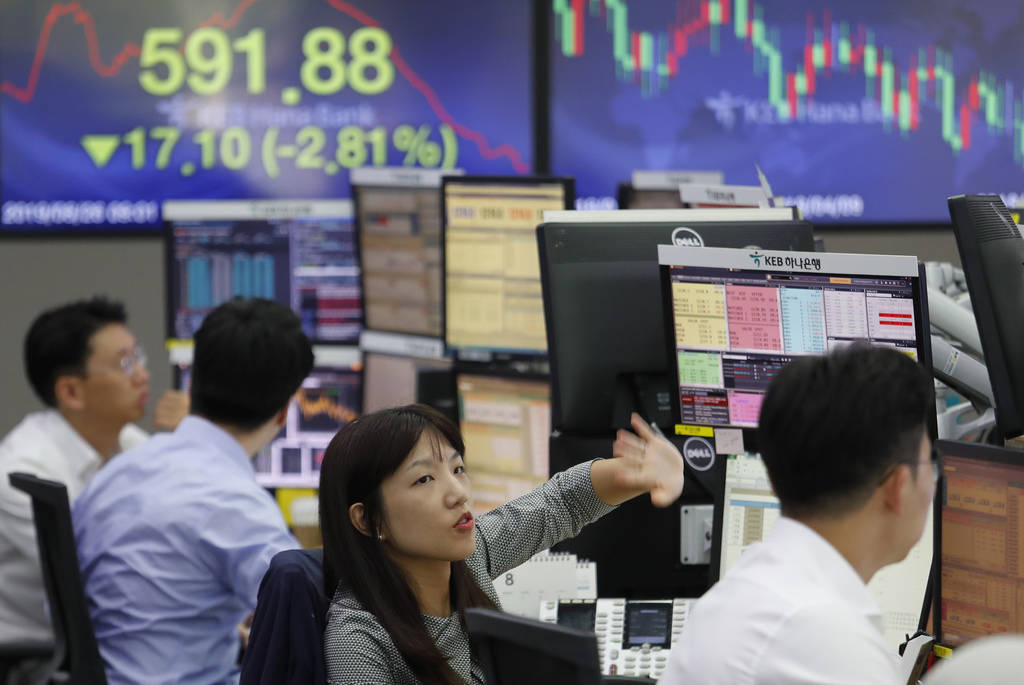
(992, 254)
(492, 295)
(602, 304)
(299, 253)
(737, 317)
(979, 548)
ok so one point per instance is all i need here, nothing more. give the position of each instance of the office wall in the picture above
(927, 244)
(41, 272)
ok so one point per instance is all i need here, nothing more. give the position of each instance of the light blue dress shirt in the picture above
(173, 539)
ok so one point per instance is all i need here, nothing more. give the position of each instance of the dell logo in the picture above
(698, 453)
(687, 237)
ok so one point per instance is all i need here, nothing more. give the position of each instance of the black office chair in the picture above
(76, 656)
(286, 639)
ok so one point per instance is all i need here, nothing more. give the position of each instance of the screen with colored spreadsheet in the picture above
(979, 550)
(738, 316)
(398, 219)
(492, 285)
(506, 423)
(299, 253)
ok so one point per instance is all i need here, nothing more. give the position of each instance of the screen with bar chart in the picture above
(739, 316)
(248, 99)
(302, 254)
(840, 103)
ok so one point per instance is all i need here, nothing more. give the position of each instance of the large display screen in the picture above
(861, 111)
(106, 110)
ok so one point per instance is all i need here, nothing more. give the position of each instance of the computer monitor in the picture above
(992, 254)
(492, 295)
(736, 317)
(515, 650)
(602, 304)
(398, 221)
(394, 381)
(979, 549)
(300, 253)
(750, 508)
(660, 189)
(505, 422)
(328, 399)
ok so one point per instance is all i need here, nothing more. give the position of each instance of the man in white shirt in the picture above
(87, 368)
(845, 443)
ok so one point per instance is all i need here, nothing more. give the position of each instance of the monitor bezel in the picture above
(922, 328)
(489, 355)
(978, 452)
(167, 236)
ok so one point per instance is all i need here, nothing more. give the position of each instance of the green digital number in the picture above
(325, 71)
(351, 147)
(323, 47)
(364, 58)
(254, 45)
(160, 48)
(136, 139)
(169, 135)
(205, 64)
(210, 73)
(235, 148)
(311, 139)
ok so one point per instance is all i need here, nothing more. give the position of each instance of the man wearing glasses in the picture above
(86, 366)
(844, 439)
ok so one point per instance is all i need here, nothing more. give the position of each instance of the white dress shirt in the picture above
(45, 445)
(793, 611)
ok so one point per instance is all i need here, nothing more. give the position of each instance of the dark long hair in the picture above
(361, 455)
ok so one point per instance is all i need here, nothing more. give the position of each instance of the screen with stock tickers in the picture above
(248, 99)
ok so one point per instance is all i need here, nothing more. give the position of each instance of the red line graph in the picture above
(132, 50)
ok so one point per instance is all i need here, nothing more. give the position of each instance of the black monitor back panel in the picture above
(604, 316)
(992, 254)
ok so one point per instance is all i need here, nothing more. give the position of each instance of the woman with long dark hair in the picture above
(404, 556)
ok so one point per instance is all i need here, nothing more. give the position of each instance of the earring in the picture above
(380, 537)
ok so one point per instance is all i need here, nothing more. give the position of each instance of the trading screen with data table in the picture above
(739, 316)
(981, 558)
(505, 423)
(400, 251)
(492, 283)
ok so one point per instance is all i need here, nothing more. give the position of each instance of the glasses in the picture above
(133, 361)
